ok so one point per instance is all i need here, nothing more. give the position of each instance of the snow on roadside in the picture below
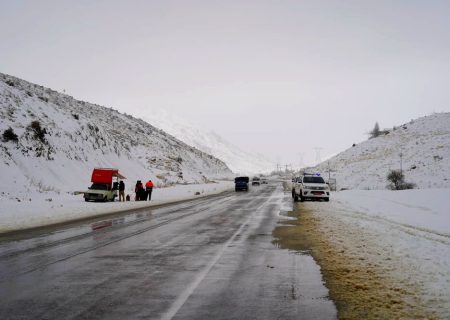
(46, 209)
(405, 233)
(422, 209)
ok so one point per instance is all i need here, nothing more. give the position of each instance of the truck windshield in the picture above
(313, 180)
(99, 186)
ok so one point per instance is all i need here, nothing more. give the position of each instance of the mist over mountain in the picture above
(238, 160)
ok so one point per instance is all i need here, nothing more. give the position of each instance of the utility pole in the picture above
(278, 168)
(401, 160)
(300, 164)
(278, 165)
(318, 155)
(329, 170)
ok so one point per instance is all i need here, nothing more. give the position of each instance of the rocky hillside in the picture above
(425, 147)
(51, 141)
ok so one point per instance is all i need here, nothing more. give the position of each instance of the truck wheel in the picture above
(293, 193)
(85, 199)
(301, 197)
(105, 199)
(327, 199)
(295, 197)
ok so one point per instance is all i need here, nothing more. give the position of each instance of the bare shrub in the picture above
(39, 132)
(408, 185)
(397, 181)
(9, 135)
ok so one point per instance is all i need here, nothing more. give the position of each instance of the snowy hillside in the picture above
(425, 147)
(55, 141)
(237, 160)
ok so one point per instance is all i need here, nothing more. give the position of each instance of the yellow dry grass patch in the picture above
(360, 289)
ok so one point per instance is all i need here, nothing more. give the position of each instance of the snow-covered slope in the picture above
(237, 160)
(425, 147)
(60, 140)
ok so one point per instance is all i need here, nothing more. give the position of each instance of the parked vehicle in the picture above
(256, 181)
(103, 187)
(264, 181)
(241, 183)
(310, 186)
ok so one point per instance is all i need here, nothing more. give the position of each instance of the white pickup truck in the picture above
(310, 186)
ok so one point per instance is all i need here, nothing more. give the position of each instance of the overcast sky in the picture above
(280, 78)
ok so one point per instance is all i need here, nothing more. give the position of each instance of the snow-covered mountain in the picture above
(51, 142)
(238, 160)
(424, 144)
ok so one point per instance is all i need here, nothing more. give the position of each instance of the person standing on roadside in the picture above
(138, 190)
(121, 191)
(149, 188)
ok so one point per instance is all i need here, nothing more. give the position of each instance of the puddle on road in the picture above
(359, 290)
(285, 214)
(128, 219)
(298, 278)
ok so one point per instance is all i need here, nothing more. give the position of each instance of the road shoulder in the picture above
(361, 288)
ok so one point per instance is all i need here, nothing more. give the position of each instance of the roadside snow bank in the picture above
(46, 209)
(427, 209)
(405, 234)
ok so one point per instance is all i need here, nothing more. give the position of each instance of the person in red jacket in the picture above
(149, 188)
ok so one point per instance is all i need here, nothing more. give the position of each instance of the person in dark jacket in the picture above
(138, 190)
(149, 188)
(142, 194)
(121, 191)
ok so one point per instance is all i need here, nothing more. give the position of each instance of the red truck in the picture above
(103, 187)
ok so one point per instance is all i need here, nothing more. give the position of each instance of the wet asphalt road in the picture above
(210, 258)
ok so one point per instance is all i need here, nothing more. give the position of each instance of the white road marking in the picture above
(182, 298)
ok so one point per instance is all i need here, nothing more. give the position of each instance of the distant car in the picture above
(241, 183)
(264, 181)
(256, 181)
(310, 186)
